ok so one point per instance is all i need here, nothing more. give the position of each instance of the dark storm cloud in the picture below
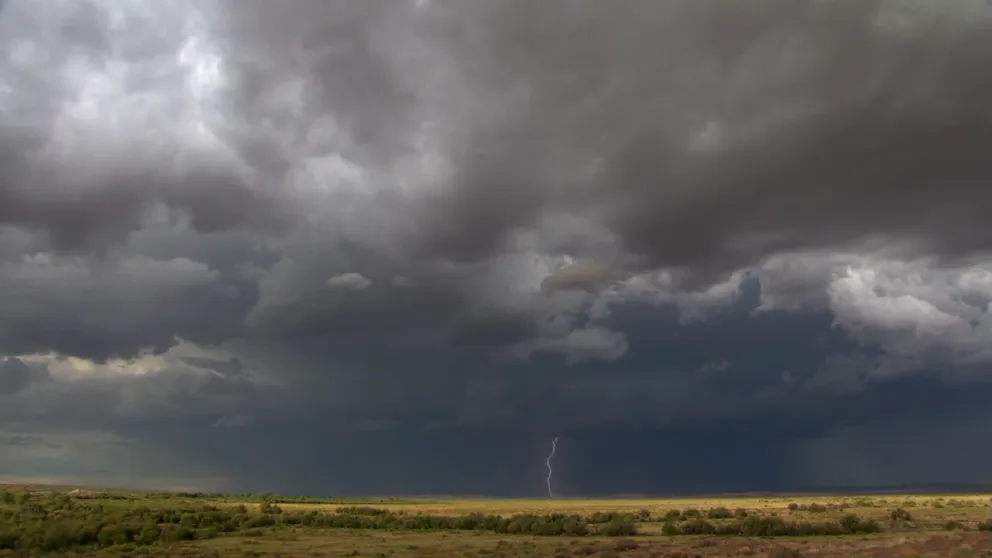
(687, 133)
(497, 328)
(81, 215)
(335, 224)
(658, 384)
(115, 308)
(784, 451)
(814, 123)
(346, 51)
(380, 312)
(350, 420)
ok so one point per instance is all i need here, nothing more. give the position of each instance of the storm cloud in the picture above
(402, 244)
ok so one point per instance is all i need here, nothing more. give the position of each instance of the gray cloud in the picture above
(495, 329)
(15, 376)
(584, 274)
(529, 126)
(229, 368)
(91, 308)
(83, 161)
(27, 441)
(400, 228)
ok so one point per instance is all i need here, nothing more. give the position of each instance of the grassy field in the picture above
(78, 522)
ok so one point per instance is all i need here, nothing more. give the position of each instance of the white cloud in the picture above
(70, 368)
(870, 297)
(910, 308)
(665, 287)
(798, 281)
(915, 307)
(350, 280)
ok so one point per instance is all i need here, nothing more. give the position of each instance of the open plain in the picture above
(68, 521)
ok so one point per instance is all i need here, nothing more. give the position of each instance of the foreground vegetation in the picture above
(36, 521)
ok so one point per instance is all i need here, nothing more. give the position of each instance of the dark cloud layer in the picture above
(815, 123)
(396, 246)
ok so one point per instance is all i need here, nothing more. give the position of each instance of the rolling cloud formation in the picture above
(434, 233)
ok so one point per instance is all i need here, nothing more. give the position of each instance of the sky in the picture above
(334, 247)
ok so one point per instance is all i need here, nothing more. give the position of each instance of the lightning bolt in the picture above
(554, 446)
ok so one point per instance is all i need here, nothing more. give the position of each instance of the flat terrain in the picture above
(79, 522)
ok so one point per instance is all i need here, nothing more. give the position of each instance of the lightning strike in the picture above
(551, 472)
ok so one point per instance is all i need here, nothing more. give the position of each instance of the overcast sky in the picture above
(397, 246)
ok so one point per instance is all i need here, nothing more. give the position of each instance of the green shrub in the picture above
(599, 518)
(618, 528)
(719, 513)
(952, 525)
(362, 510)
(697, 527)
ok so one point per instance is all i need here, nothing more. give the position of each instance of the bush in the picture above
(600, 518)
(697, 527)
(856, 525)
(618, 528)
(952, 525)
(775, 527)
(900, 514)
(362, 510)
(985, 526)
(719, 513)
